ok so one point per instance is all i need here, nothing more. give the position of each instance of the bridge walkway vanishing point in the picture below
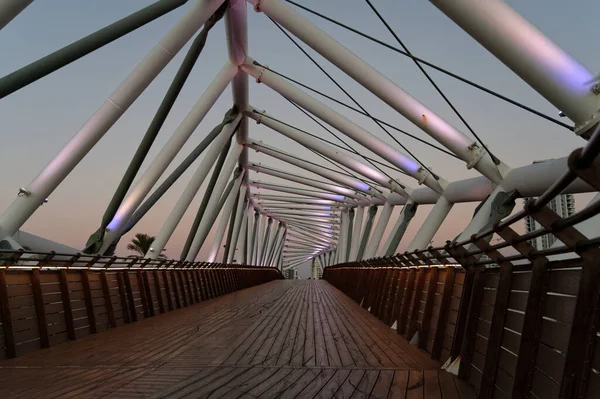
(285, 338)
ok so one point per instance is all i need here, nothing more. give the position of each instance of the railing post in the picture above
(9, 337)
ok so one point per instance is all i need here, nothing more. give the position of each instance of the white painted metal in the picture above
(302, 180)
(118, 102)
(211, 212)
(401, 220)
(298, 191)
(382, 87)
(358, 220)
(240, 248)
(530, 54)
(164, 158)
(239, 215)
(191, 189)
(333, 176)
(299, 200)
(377, 235)
(326, 150)
(344, 125)
(431, 225)
(226, 213)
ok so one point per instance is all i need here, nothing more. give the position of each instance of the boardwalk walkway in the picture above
(288, 339)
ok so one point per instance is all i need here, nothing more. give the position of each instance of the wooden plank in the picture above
(414, 312)
(440, 329)
(585, 327)
(531, 329)
(130, 299)
(427, 311)
(85, 280)
(187, 279)
(9, 338)
(42, 324)
(471, 322)
(159, 297)
(496, 330)
(175, 289)
(167, 287)
(123, 297)
(193, 277)
(66, 302)
(406, 298)
(181, 287)
(465, 301)
(142, 291)
(414, 388)
(148, 290)
(432, 384)
(447, 385)
(107, 300)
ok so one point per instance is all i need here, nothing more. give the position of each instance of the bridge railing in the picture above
(512, 320)
(52, 302)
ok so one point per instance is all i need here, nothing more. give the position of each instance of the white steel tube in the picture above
(302, 180)
(377, 235)
(529, 53)
(431, 225)
(379, 85)
(166, 155)
(326, 150)
(402, 223)
(252, 230)
(13, 218)
(297, 191)
(265, 244)
(191, 189)
(211, 212)
(333, 176)
(225, 217)
(298, 207)
(294, 199)
(314, 219)
(236, 26)
(342, 242)
(303, 236)
(358, 220)
(284, 211)
(240, 249)
(240, 214)
(272, 242)
(259, 237)
(278, 249)
(344, 125)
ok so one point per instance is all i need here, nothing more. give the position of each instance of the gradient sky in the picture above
(38, 120)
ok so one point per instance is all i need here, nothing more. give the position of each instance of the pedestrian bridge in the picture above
(394, 310)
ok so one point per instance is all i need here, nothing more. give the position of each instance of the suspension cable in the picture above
(354, 100)
(350, 148)
(356, 110)
(434, 66)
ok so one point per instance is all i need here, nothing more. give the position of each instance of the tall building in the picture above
(291, 274)
(564, 206)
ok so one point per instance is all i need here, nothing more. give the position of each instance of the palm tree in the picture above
(141, 244)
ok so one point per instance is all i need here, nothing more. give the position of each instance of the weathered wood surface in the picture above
(302, 339)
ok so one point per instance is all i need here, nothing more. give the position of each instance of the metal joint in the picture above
(476, 154)
(23, 192)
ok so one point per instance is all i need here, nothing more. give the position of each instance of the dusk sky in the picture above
(37, 121)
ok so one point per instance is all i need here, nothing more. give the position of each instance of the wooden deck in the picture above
(284, 339)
